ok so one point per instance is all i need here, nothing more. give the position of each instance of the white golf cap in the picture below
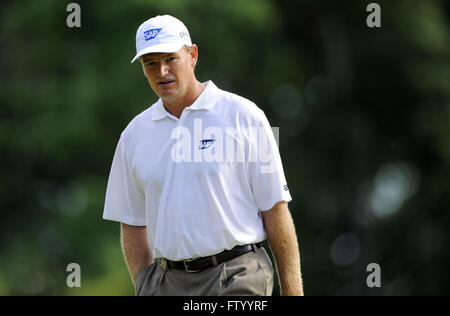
(161, 34)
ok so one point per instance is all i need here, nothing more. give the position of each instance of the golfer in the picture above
(198, 184)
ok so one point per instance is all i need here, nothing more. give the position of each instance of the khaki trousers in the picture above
(249, 274)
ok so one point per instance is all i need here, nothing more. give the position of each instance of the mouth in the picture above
(165, 82)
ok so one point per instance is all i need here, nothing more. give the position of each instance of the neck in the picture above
(178, 104)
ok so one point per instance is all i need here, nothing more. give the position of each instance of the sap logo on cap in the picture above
(151, 34)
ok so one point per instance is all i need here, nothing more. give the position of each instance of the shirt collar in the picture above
(205, 101)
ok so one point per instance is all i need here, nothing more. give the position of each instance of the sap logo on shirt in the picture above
(151, 34)
(222, 144)
(205, 143)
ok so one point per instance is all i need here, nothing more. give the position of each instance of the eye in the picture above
(150, 63)
(170, 59)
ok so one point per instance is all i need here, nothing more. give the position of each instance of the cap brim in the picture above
(161, 48)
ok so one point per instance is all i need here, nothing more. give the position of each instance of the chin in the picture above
(167, 95)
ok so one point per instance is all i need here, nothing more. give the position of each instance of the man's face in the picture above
(170, 75)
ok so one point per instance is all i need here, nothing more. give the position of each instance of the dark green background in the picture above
(364, 133)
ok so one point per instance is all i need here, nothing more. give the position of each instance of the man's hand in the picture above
(282, 238)
(135, 248)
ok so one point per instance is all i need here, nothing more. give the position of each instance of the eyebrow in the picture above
(150, 58)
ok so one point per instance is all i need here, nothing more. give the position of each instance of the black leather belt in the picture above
(202, 263)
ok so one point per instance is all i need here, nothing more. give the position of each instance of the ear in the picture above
(194, 55)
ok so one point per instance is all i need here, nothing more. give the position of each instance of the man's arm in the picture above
(135, 248)
(282, 238)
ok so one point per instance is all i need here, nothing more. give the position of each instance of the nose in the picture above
(163, 69)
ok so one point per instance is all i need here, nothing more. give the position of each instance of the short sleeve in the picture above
(264, 166)
(124, 201)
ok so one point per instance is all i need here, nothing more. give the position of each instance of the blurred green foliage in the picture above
(364, 133)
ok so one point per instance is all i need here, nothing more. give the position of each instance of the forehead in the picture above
(157, 56)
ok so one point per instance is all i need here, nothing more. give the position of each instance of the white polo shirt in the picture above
(197, 182)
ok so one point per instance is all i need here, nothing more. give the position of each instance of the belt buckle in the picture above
(163, 263)
(187, 268)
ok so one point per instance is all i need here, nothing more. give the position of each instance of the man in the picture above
(197, 183)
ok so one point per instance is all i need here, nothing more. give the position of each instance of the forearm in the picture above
(282, 238)
(135, 248)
